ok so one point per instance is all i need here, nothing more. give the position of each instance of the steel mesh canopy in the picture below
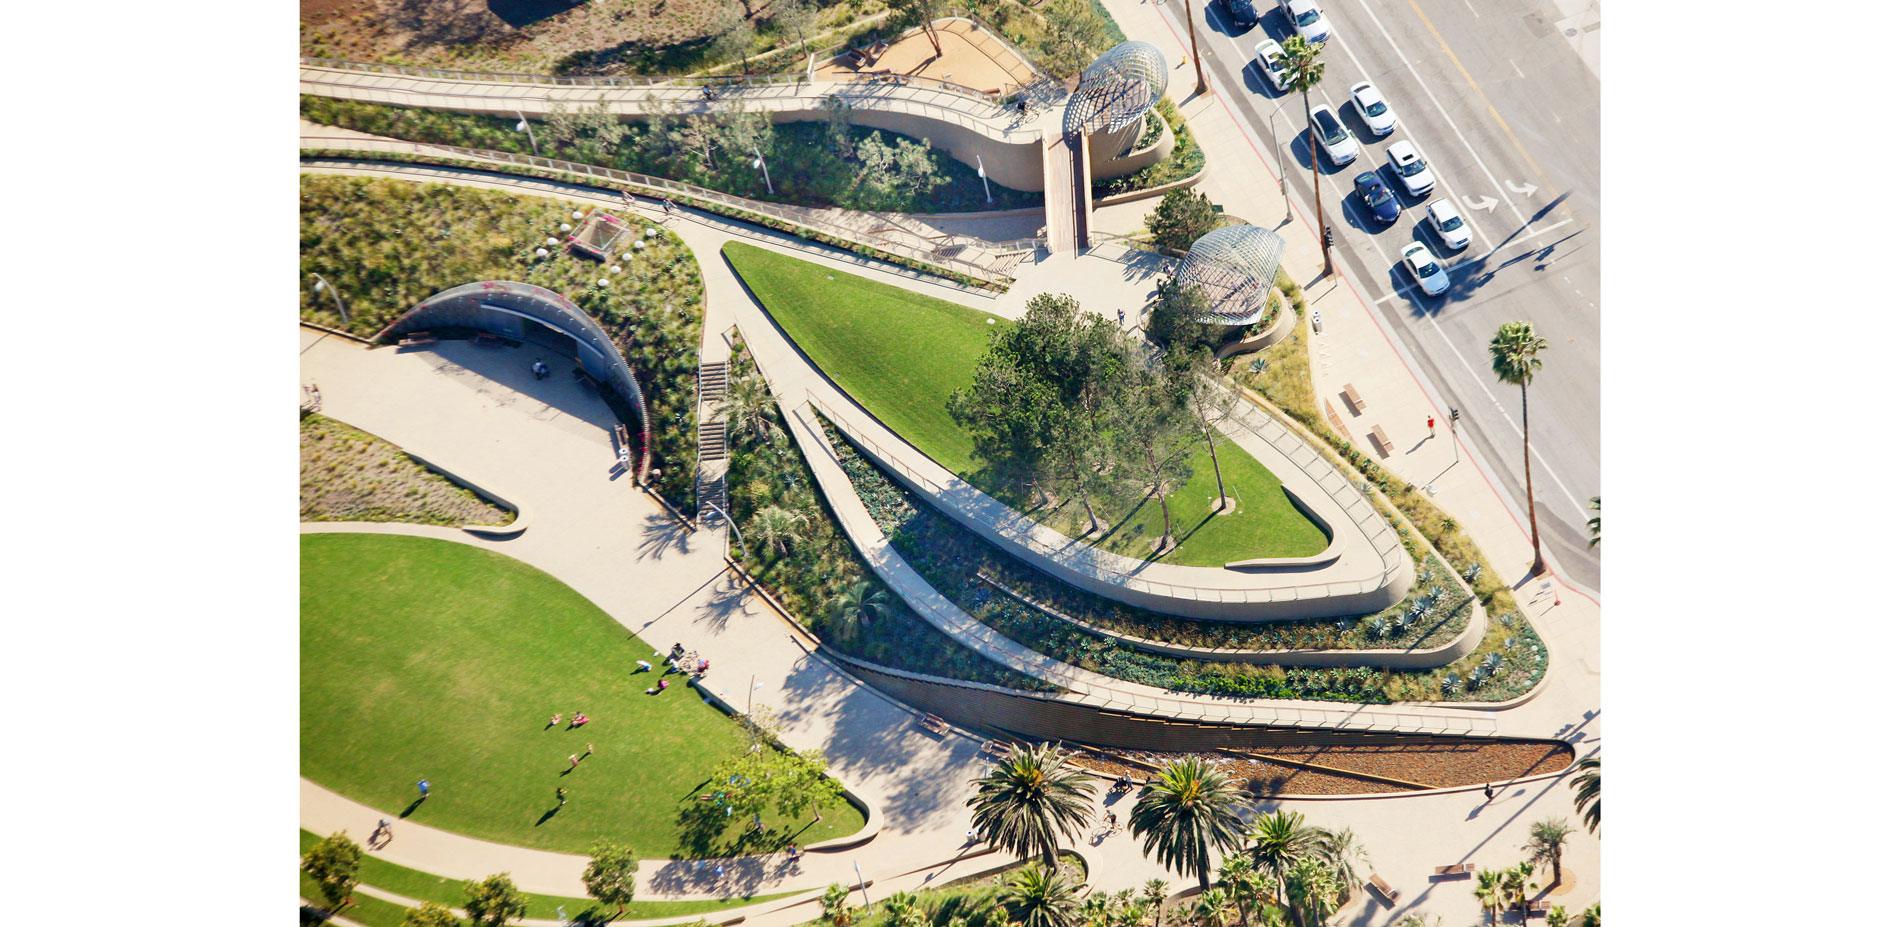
(1117, 89)
(1235, 268)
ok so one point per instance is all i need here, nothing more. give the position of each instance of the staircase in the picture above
(711, 481)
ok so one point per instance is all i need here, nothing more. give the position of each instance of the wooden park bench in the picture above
(417, 338)
(1378, 434)
(581, 375)
(933, 724)
(490, 338)
(1352, 396)
(1390, 894)
(1540, 908)
(1454, 871)
(1332, 415)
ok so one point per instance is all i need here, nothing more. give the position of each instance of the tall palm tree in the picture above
(1303, 73)
(1153, 893)
(1518, 885)
(1342, 852)
(1514, 359)
(1279, 840)
(1589, 786)
(1244, 883)
(1029, 801)
(1185, 814)
(749, 401)
(1547, 845)
(1312, 890)
(1490, 892)
(1040, 896)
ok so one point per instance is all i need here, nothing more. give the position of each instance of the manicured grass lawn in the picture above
(901, 354)
(430, 659)
(421, 886)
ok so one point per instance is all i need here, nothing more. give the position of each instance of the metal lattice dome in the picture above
(1117, 89)
(1235, 267)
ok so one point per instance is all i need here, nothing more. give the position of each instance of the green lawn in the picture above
(421, 886)
(425, 658)
(901, 354)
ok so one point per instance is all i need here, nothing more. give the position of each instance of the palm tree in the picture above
(1303, 73)
(749, 400)
(1490, 892)
(836, 905)
(858, 601)
(1153, 893)
(1029, 801)
(1589, 786)
(1596, 521)
(1518, 885)
(1592, 916)
(1547, 845)
(1279, 840)
(1185, 814)
(1514, 359)
(1211, 911)
(1557, 917)
(1312, 889)
(1244, 883)
(1040, 896)
(904, 910)
(777, 526)
(1342, 852)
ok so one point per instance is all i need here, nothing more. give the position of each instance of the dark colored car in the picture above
(1378, 199)
(1243, 12)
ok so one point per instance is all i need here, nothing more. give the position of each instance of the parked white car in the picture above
(1424, 268)
(1410, 166)
(1373, 110)
(1450, 226)
(1307, 19)
(1272, 62)
(1330, 134)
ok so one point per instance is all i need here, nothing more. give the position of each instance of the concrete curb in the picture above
(524, 516)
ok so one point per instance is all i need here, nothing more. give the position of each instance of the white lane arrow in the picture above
(1527, 189)
(1486, 203)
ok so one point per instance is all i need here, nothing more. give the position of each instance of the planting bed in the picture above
(351, 475)
(1434, 765)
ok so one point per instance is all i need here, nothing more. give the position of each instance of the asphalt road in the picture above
(1505, 111)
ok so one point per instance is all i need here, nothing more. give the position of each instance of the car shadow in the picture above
(1304, 153)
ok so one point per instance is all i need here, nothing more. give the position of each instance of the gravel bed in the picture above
(1431, 764)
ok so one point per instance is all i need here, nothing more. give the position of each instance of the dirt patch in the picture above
(1381, 769)
(536, 36)
(350, 475)
(971, 57)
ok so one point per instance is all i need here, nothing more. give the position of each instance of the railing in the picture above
(1024, 532)
(793, 215)
(505, 77)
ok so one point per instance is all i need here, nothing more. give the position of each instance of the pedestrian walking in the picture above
(424, 786)
(560, 796)
(1489, 793)
(573, 761)
(1121, 315)
(1431, 425)
(590, 750)
(555, 721)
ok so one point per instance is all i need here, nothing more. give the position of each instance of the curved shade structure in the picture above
(1117, 90)
(516, 310)
(1235, 268)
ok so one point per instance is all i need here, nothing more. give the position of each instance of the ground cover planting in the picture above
(1510, 659)
(427, 659)
(386, 245)
(351, 475)
(809, 166)
(869, 338)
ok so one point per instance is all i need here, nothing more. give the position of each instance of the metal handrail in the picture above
(784, 214)
(1021, 531)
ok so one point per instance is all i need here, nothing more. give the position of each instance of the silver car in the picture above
(1413, 173)
(1307, 19)
(1328, 133)
(1444, 219)
(1272, 62)
(1373, 109)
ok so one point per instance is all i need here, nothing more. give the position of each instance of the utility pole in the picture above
(1194, 43)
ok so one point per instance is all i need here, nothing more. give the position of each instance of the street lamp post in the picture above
(727, 518)
(861, 885)
(758, 161)
(319, 287)
(986, 179)
(524, 126)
